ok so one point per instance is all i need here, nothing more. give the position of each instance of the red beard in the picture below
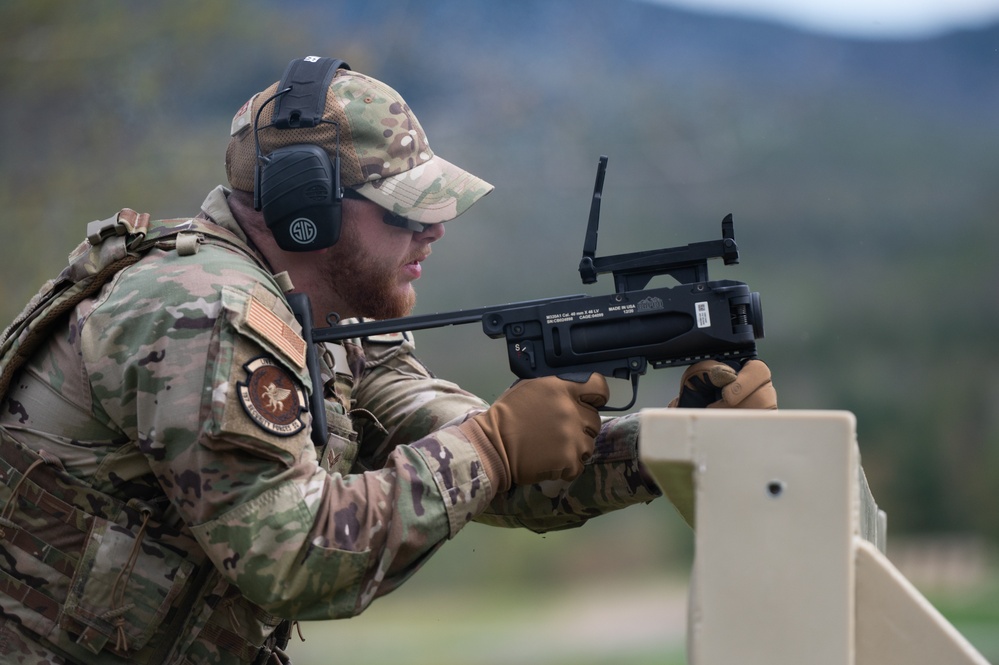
(368, 286)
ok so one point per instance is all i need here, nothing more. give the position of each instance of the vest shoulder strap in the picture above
(112, 245)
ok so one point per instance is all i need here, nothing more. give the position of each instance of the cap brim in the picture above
(434, 191)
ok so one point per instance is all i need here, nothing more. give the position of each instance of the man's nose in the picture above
(432, 233)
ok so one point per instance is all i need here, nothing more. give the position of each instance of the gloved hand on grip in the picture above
(715, 384)
(539, 429)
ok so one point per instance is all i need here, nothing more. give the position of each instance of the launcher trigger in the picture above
(583, 377)
(523, 349)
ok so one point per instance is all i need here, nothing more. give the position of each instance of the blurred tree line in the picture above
(861, 176)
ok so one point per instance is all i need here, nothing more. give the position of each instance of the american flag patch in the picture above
(270, 326)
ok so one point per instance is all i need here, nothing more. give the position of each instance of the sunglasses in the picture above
(391, 218)
(401, 222)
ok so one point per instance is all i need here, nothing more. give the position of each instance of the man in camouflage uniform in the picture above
(161, 498)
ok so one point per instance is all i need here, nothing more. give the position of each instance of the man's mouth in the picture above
(420, 258)
(413, 269)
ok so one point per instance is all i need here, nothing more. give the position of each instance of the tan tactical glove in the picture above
(714, 384)
(539, 429)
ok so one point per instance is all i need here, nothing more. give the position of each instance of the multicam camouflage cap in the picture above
(384, 152)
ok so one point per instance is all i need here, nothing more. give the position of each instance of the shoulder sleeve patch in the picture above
(272, 398)
(274, 330)
(258, 395)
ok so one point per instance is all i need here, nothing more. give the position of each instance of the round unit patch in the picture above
(271, 397)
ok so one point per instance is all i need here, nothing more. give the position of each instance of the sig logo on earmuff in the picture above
(298, 186)
(303, 231)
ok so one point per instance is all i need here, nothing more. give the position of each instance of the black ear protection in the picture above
(297, 186)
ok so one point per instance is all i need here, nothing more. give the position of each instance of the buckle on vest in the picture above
(126, 221)
(100, 230)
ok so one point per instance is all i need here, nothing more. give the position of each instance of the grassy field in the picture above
(623, 624)
(638, 626)
(975, 614)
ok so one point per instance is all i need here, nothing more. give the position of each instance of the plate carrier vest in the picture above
(55, 527)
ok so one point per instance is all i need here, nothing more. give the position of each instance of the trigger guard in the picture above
(583, 377)
(576, 377)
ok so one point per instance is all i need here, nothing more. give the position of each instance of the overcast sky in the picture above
(880, 18)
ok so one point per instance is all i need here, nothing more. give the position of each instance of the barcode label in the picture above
(703, 315)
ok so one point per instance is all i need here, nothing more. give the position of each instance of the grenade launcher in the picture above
(618, 335)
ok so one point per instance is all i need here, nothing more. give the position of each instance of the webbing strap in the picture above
(47, 554)
(30, 597)
(55, 492)
(232, 642)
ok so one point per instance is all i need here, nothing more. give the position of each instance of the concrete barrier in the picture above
(789, 560)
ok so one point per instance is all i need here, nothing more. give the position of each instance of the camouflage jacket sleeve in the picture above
(409, 403)
(197, 362)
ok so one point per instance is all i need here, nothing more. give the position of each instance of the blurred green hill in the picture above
(862, 177)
